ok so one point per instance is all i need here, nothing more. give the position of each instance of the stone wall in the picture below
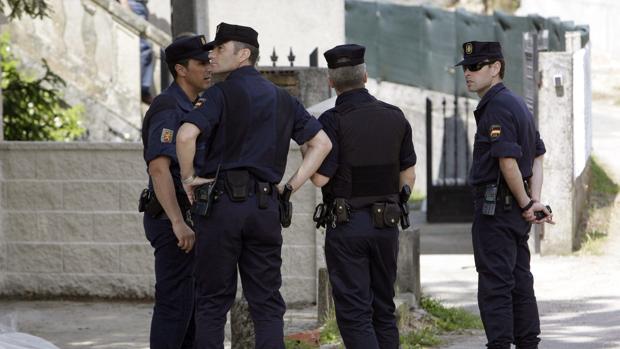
(94, 46)
(69, 224)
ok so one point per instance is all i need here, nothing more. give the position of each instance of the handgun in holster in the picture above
(149, 204)
(403, 199)
(286, 207)
(204, 197)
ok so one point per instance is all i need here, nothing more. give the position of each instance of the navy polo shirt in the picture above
(505, 129)
(163, 126)
(263, 144)
(330, 126)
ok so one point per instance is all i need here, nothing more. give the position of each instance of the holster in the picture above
(149, 204)
(286, 207)
(385, 214)
(205, 195)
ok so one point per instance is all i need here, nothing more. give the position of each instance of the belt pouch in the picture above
(341, 211)
(378, 211)
(263, 191)
(391, 215)
(237, 184)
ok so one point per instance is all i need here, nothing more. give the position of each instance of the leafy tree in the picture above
(32, 8)
(33, 108)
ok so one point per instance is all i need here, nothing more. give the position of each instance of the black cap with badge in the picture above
(344, 56)
(195, 47)
(479, 51)
(231, 32)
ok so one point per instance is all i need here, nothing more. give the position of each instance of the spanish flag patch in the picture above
(496, 131)
(166, 135)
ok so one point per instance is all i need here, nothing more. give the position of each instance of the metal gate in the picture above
(449, 198)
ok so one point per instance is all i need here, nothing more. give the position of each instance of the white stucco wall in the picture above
(300, 24)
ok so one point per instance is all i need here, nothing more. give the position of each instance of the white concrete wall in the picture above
(601, 15)
(300, 24)
(565, 124)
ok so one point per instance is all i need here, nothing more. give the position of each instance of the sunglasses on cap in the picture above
(477, 66)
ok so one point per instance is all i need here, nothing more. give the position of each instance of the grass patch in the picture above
(296, 344)
(450, 319)
(416, 332)
(419, 339)
(599, 208)
(592, 243)
(600, 182)
(330, 332)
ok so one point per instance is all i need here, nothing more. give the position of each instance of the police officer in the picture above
(249, 123)
(507, 176)
(166, 218)
(371, 160)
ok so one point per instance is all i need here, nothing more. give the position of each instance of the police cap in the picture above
(194, 46)
(344, 55)
(478, 51)
(226, 32)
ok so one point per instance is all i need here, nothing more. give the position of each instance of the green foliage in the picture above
(330, 332)
(32, 8)
(450, 319)
(601, 182)
(419, 339)
(33, 108)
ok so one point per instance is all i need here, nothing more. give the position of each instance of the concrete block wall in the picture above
(69, 221)
(69, 224)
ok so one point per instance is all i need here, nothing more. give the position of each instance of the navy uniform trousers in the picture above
(505, 284)
(239, 233)
(172, 326)
(361, 262)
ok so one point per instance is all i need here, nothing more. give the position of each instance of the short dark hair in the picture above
(183, 62)
(502, 68)
(253, 50)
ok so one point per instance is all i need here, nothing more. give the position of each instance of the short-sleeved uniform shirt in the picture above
(330, 126)
(163, 125)
(505, 129)
(265, 142)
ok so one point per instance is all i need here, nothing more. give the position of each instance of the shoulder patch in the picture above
(495, 131)
(166, 135)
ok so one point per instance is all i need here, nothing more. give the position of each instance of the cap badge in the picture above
(496, 131)
(203, 40)
(469, 48)
(166, 135)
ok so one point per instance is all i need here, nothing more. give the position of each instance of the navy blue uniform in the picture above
(361, 259)
(505, 128)
(248, 123)
(172, 325)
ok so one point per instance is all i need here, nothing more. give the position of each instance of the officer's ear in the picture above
(330, 82)
(495, 68)
(365, 77)
(180, 69)
(244, 54)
